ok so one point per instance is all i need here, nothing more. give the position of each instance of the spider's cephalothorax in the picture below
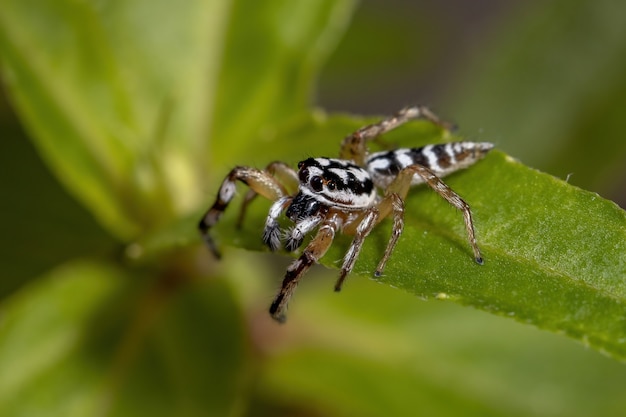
(350, 195)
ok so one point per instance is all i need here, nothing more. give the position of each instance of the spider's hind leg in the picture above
(261, 182)
(354, 146)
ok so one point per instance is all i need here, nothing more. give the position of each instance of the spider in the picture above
(351, 194)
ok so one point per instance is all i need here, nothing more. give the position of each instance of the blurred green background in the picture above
(101, 97)
(542, 80)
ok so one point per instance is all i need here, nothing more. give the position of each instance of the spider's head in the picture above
(336, 182)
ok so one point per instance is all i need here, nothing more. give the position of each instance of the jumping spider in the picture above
(342, 195)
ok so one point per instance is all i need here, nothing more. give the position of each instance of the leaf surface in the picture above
(89, 340)
(132, 119)
(439, 358)
(555, 255)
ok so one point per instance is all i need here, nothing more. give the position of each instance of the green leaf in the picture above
(89, 340)
(297, 37)
(392, 390)
(46, 226)
(555, 255)
(132, 118)
(80, 76)
(438, 358)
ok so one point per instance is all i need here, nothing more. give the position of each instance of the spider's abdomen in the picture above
(336, 182)
(442, 159)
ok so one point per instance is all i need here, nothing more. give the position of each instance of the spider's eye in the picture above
(317, 183)
(331, 185)
(303, 175)
(300, 164)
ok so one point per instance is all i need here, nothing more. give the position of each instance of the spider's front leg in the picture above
(391, 204)
(283, 173)
(261, 182)
(312, 253)
(395, 204)
(368, 220)
(354, 147)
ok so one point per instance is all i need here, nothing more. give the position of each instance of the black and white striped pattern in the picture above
(336, 182)
(442, 159)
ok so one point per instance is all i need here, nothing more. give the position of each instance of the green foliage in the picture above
(555, 254)
(67, 355)
(139, 108)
